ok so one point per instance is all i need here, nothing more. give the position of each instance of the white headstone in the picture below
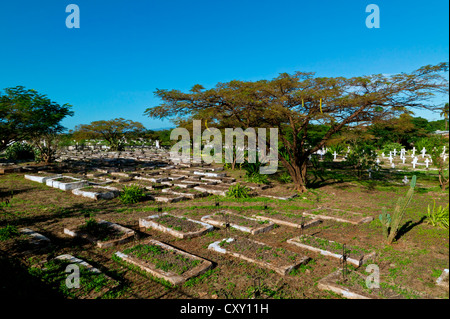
(405, 180)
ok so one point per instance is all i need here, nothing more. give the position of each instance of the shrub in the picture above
(285, 178)
(238, 191)
(439, 216)
(389, 147)
(20, 151)
(257, 178)
(131, 194)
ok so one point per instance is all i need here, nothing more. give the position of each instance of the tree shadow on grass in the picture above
(16, 282)
(407, 227)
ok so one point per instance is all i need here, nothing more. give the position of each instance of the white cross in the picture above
(423, 152)
(384, 155)
(392, 165)
(395, 152)
(413, 152)
(334, 154)
(378, 160)
(414, 162)
(403, 159)
(426, 162)
(390, 158)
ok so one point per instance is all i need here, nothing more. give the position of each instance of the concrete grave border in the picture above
(311, 223)
(146, 223)
(128, 236)
(263, 229)
(363, 219)
(353, 261)
(280, 270)
(113, 192)
(169, 276)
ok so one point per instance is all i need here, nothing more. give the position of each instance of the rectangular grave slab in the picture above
(168, 198)
(187, 192)
(110, 284)
(202, 265)
(41, 179)
(355, 287)
(252, 256)
(35, 238)
(214, 190)
(210, 174)
(338, 215)
(309, 223)
(66, 185)
(356, 257)
(127, 235)
(152, 222)
(329, 283)
(106, 193)
(242, 223)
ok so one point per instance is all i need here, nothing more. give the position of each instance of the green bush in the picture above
(131, 194)
(20, 151)
(389, 147)
(238, 191)
(257, 178)
(285, 178)
(439, 216)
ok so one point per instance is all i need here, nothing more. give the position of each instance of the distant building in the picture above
(443, 133)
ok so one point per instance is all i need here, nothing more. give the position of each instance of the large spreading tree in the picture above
(295, 102)
(114, 131)
(27, 115)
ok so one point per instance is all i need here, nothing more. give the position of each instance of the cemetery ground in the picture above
(409, 267)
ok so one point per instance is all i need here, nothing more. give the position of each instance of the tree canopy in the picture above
(27, 115)
(114, 131)
(294, 102)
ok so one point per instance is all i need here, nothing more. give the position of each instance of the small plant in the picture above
(238, 191)
(257, 178)
(8, 232)
(131, 194)
(390, 223)
(285, 178)
(439, 216)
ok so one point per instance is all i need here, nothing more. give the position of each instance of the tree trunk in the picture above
(298, 171)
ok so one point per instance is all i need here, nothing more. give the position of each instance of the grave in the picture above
(242, 223)
(180, 227)
(338, 215)
(356, 255)
(279, 260)
(41, 178)
(186, 192)
(353, 286)
(102, 233)
(35, 238)
(165, 262)
(97, 192)
(290, 220)
(66, 183)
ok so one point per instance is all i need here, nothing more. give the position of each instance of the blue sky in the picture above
(125, 50)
